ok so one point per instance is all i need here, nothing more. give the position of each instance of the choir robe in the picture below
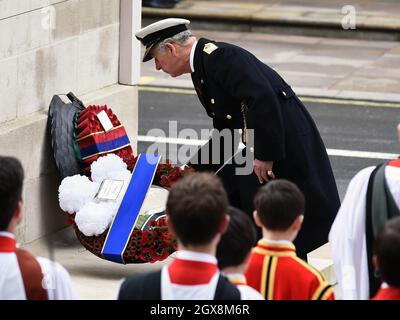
(247, 292)
(190, 276)
(22, 275)
(347, 236)
(278, 274)
(387, 293)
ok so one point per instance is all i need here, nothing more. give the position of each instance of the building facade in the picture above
(50, 47)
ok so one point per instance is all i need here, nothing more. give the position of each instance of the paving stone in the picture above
(304, 80)
(321, 65)
(376, 84)
(372, 71)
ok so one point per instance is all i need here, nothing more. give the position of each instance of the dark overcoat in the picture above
(237, 91)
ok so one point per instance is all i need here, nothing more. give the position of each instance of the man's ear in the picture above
(375, 262)
(18, 215)
(169, 224)
(224, 224)
(298, 222)
(398, 131)
(171, 48)
(256, 218)
(247, 259)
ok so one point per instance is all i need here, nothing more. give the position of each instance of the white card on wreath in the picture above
(110, 189)
(105, 121)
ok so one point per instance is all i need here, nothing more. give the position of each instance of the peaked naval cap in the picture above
(159, 31)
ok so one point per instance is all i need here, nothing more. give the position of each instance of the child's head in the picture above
(197, 209)
(279, 206)
(11, 183)
(237, 241)
(387, 252)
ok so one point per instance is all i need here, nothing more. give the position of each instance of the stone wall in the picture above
(52, 47)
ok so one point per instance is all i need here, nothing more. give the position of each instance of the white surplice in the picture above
(347, 236)
(186, 291)
(55, 278)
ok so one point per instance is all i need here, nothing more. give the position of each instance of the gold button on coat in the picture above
(202, 81)
(212, 101)
(228, 116)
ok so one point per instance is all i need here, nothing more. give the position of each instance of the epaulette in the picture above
(209, 48)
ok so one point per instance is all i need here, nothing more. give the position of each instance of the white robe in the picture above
(347, 236)
(205, 291)
(55, 278)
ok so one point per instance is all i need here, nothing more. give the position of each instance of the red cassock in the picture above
(390, 293)
(278, 274)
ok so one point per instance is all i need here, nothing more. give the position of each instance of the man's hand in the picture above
(263, 170)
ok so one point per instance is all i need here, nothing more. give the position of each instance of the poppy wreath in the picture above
(91, 143)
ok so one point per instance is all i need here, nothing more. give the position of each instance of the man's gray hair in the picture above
(181, 38)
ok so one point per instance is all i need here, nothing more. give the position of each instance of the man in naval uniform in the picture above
(242, 94)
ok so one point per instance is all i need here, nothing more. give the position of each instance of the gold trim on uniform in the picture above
(265, 243)
(244, 110)
(318, 292)
(275, 253)
(237, 281)
(268, 277)
(323, 286)
(327, 293)
(271, 280)
(264, 276)
(210, 48)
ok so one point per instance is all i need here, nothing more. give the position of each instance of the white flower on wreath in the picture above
(77, 194)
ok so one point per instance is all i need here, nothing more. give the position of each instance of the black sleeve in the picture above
(242, 76)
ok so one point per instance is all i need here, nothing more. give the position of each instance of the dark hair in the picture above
(278, 204)
(11, 180)
(237, 241)
(387, 250)
(196, 206)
